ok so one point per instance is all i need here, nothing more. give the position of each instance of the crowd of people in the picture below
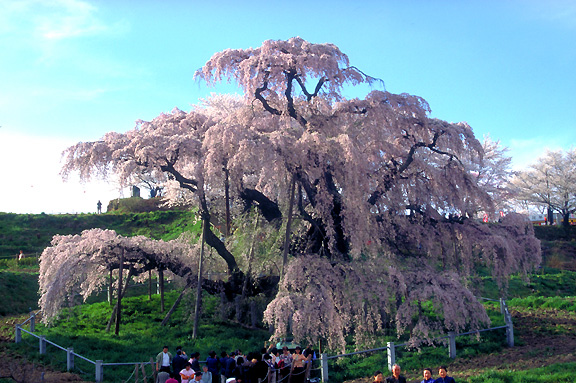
(426, 374)
(270, 365)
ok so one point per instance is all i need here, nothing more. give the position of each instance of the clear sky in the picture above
(73, 70)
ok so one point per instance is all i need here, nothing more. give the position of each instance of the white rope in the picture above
(133, 372)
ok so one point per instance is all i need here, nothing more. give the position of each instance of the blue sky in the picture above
(73, 70)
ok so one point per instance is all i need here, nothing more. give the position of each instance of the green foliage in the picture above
(555, 233)
(33, 232)
(135, 205)
(547, 282)
(539, 302)
(558, 373)
(468, 346)
(141, 336)
(19, 292)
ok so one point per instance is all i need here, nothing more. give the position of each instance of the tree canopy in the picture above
(385, 196)
(550, 183)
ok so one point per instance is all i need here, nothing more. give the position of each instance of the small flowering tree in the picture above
(81, 264)
(383, 194)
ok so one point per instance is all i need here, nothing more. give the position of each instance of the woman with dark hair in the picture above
(298, 366)
(443, 376)
(239, 371)
(187, 374)
(212, 363)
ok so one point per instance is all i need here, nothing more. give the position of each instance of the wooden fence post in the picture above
(509, 330)
(99, 371)
(18, 336)
(391, 355)
(70, 359)
(324, 367)
(42, 340)
(452, 344)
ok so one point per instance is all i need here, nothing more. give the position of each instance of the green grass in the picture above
(19, 292)
(547, 282)
(141, 336)
(467, 346)
(540, 302)
(31, 233)
(557, 373)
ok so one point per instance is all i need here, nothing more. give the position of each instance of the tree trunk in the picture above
(161, 287)
(253, 314)
(115, 309)
(175, 305)
(110, 288)
(227, 200)
(550, 215)
(150, 284)
(119, 302)
(205, 226)
(288, 226)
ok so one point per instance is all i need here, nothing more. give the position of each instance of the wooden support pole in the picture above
(391, 355)
(452, 344)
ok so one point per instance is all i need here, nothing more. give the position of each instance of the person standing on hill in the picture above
(396, 377)
(444, 378)
(164, 360)
(99, 207)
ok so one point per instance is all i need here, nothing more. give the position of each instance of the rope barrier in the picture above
(133, 372)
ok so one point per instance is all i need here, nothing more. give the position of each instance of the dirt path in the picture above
(544, 337)
(18, 369)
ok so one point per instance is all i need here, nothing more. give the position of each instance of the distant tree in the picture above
(493, 173)
(550, 183)
(385, 195)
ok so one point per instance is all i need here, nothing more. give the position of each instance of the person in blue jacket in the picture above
(427, 374)
(444, 378)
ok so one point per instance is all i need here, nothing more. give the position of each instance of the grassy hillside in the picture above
(31, 233)
(543, 307)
